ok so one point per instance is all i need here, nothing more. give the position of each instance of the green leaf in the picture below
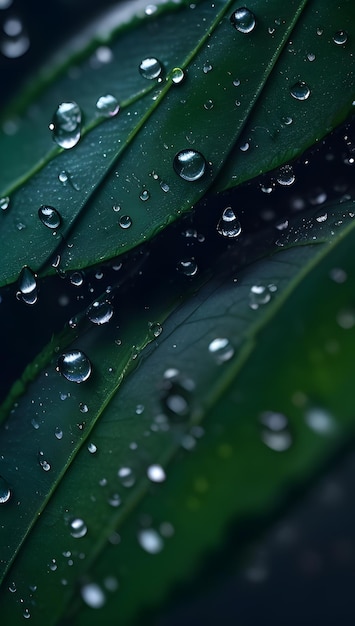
(156, 418)
(132, 154)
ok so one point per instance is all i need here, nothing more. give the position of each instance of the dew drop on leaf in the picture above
(300, 91)
(188, 267)
(126, 476)
(156, 473)
(49, 216)
(175, 400)
(340, 37)
(26, 614)
(229, 225)
(285, 176)
(150, 68)
(107, 105)
(74, 366)
(155, 329)
(77, 279)
(5, 491)
(78, 528)
(27, 286)
(100, 313)
(221, 349)
(125, 222)
(4, 203)
(189, 164)
(177, 75)
(92, 448)
(45, 465)
(208, 105)
(275, 431)
(93, 595)
(150, 540)
(66, 125)
(243, 20)
(260, 295)
(144, 195)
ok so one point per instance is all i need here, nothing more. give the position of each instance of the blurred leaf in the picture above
(122, 169)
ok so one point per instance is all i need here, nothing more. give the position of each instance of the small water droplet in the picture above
(287, 121)
(321, 216)
(12, 587)
(93, 595)
(300, 91)
(49, 216)
(27, 286)
(236, 82)
(144, 195)
(74, 366)
(155, 329)
(177, 75)
(340, 37)
(125, 221)
(78, 528)
(4, 203)
(83, 408)
(126, 476)
(320, 421)
(115, 500)
(107, 105)
(150, 540)
(260, 295)
(26, 614)
(139, 409)
(92, 448)
(275, 431)
(188, 267)
(311, 56)
(150, 68)
(100, 313)
(43, 462)
(208, 105)
(58, 433)
(5, 491)
(156, 473)
(176, 399)
(63, 177)
(189, 164)
(66, 125)
(77, 279)
(243, 20)
(285, 176)
(229, 225)
(207, 68)
(221, 349)
(53, 565)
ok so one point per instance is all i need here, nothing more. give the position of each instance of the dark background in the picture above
(302, 569)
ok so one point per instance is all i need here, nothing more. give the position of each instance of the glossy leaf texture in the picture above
(118, 187)
(148, 473)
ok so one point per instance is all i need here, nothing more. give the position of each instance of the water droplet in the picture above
(155, 329)
(208, 105)
(176, 399)
(12, 587)
(107, 105)
(58, 433)
(340, 37)
(49, 216)
(92, 448)
(188, 267)
(150, 9)
(275, 431)
(321, 216)
(156, 473)
(114, 500)
(320, 421)
(300, 91)
(144, 195)
(63, 177)
(74, 366)
(27, 286)
(287, 121)
(177, 75)
(125, 221)
(53, 565)
(189, 164)
(5, 491)
(78, 528)
(100, 313)
(207, 68)
(93, 595)
(14, 47)
(285, 176)
(221, 349)
(150, 68)
(4, 203)
(260, 295)
(66, 125)
(139, 409)
(77, 279)
(26, 614)
(126, 476)
(83, 408)
(311, 56)
(243, 20)
(229, 225)
(43, 462)
(150, 540)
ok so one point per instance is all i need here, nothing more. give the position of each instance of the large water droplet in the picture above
(74, 366)
(100, 313)
(78, 528)
(275, 431)
(108, 105)
(150, 68)
(177, 75)
(243, 20)
(285, 176)
(27, 286)
(340, 37)
(5, 491)
(125, 222)
(156, 473)
(189, 164)
(66, 125)
(300, 91)
(150, 540)
(93, 595)
(49, 216)
(229, 225)
(221, 349)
